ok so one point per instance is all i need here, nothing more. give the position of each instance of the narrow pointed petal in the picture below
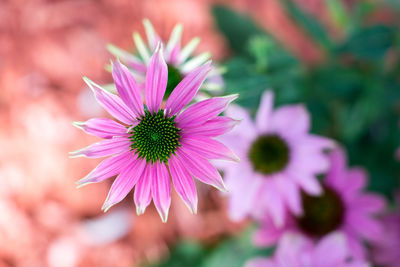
(112, 103)
(124, 183)
(151, 34)
(104, 128)
(188, 49)
(202, 111)
(195, 62)
(186, 89)
(141, 47)
(330, 251)
(127, 57)
(209, 148)
(213, 127)
(161, 190)
(183, 183)
(127, 88)
(293, 117)
(202, 169)
(107, 168)
(104, 148)
(264, 111)
(156, 80)
(175, 39)
(142, 196)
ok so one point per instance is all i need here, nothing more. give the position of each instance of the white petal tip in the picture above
(140, 210)
(78, 124)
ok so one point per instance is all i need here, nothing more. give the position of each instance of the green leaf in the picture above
(311, 25)
(236, 28)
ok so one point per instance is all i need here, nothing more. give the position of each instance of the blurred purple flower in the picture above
(295, 250)
(179, 60)
(152, 145)
(343, 206)
(386, 250)
(278, 158)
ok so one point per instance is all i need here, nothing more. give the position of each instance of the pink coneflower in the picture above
(295, 250)
(386, 250)
(343, 206)
(279, 157)
(179, 60)
(153, 144)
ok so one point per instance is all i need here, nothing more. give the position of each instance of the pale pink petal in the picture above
(200, 112)
(161, 190)
(309, 183)
(290, 194)
(152, 36)
(213, 127)
(112, 103)
(272, 199)
(353, 181)
(104, 128)
(245, 129)
(363, 225)
(104, 148)
(268, 234)
(264, 111)
(291, 250)
(290, 120)
(124, 183)
(338, 162)
(208, 148)
(201, 169)
(156, 80)
(261, 262)
(107, 168)
(331, 251)
(127, 88)
(356, 248)
(142, 196)
(183, 183)
(186, 89)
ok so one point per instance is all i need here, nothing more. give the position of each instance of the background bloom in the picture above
(279, 157)
(297, 251)
(151, 146)
(179, 59)
(343, 206)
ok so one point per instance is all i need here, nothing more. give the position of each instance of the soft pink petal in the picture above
(245, 129)
(142, 196)
(338, 162)
(186, 89)
(264, 111)
(104, 148)
(292, 249)
(127, 88)
(290, 120)
(307, 182)
(161, 190)
(261, 262)
(331, 251)
(268, 234)
(112, 103)
(212, 128)
(353, 181)
(202, 111)
(273, 201)
(368, 203)
(104, 128)
(156, 80)
(290, 194)
(201, 169)
(364, 225)
(208, 148)
(107, 168)
(124, 183)
(183, 183)
(356, 248)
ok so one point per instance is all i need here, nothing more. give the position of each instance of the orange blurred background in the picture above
(45, 49)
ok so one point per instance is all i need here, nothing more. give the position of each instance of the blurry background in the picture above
(339, 57)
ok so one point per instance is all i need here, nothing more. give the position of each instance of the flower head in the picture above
(149, 145)
(178, 59)
(343, 206)
(297, 251)
(279, 157)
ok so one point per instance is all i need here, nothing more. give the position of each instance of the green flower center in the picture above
(156, 137)
(269, 154)
(174, 78)
(322, 214)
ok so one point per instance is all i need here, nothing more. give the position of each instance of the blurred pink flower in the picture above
(278, 158)
(179, 60)
(343, 206)
(153, 144)
(386, 250)
(295, 250)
